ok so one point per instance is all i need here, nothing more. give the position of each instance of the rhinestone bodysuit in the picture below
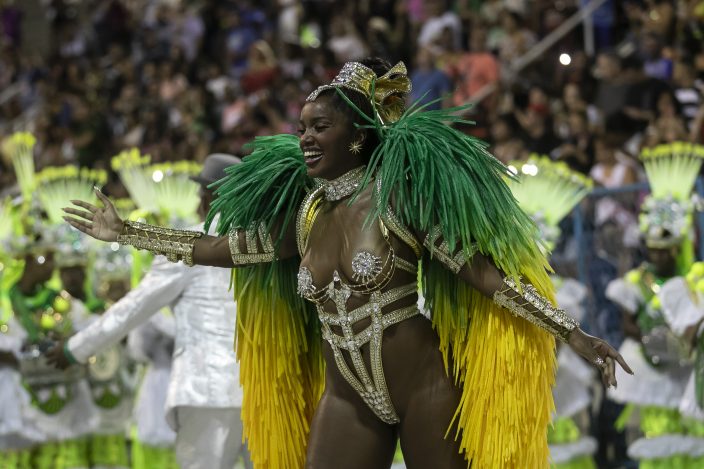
(370, 276)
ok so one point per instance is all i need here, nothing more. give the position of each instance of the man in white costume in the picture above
(204, 396)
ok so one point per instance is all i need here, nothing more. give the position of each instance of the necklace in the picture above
(344, 185)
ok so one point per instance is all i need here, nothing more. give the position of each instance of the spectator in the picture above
(505, 145)
(687, 93)
(475, 70)
(577, 148)
(655, 64)
(439, 19)
(429, 83)
(345, 41)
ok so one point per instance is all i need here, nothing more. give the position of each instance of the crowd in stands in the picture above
(180, 79)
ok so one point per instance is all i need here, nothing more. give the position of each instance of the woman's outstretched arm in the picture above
(192, 247)
(523, 300)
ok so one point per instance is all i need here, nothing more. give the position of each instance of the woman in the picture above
(356, 241)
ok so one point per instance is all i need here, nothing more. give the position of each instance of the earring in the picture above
(355, 147)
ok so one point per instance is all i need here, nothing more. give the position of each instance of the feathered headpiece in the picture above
(547, 191)
(20, 149)
(56, 187)
(163, 190)
(666, 214)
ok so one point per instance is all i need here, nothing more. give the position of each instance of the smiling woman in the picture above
(344, 217)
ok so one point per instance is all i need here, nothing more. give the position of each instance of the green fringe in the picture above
(673, 462)
(434, 175)
(584, 462)
(16, 459)
(68, 454)
(562, 431)
(152, 457)
(109, 450)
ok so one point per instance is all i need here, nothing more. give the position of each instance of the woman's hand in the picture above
(100, 223)
(56, 356)
(600, 354)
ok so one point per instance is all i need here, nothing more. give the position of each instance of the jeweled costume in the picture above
(548, 191)
(660, 365)
(442, 183)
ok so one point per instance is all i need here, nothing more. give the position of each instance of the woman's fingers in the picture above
(610, 372)
(103, 198)
(80, 224)
(90, 207)
(617, 356)
(79, 213)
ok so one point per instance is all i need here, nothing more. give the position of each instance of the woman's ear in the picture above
(360, 135)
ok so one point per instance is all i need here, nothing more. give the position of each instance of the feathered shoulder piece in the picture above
(437, 176)
(270, 183)
(277, 336)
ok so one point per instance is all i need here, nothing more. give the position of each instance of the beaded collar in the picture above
(344, 186)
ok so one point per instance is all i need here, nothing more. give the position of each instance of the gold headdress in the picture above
(362, 79)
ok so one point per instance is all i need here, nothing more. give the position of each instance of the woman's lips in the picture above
(312, 157)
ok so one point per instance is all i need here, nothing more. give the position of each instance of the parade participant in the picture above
(548, 192)
(60, 407)
(204, 397)
(80, 267)
(682, 301)
(650, 346)
(376, 190)
(162, 193)
(17, 437)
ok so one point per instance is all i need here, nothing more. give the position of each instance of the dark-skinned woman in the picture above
(344, 217)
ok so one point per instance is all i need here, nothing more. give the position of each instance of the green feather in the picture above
(436, 175)
(270, 183)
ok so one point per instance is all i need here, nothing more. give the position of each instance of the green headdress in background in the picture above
(20, 148)
(666, 214)
(547, 191)
(163, 190)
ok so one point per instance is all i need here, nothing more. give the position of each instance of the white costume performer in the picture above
(661, 367)
(683, 307)
(204, 397)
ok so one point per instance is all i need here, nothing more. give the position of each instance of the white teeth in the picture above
(309, 154)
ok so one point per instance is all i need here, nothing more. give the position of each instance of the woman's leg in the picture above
(345, 434)
(426, 417)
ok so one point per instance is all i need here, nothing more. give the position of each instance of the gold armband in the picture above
(451, 259)
(258, 244)
(176, 245)
(527, 303)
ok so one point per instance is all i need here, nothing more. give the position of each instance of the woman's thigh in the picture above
(425, 422)
(347, 435)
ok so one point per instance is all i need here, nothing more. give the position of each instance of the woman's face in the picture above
(326, 134)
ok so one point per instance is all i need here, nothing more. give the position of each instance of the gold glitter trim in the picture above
(526, 302)
(176, 245)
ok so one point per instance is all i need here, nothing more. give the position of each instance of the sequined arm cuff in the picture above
(453, 259)
(527, 303)
(259, 248)
(176, 245)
